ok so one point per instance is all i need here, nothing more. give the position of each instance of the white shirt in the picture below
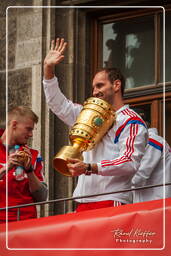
(155, 169)
(117, 155)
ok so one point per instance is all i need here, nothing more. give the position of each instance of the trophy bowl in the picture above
(95, 119)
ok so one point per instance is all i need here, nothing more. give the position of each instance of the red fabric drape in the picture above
(127, 230)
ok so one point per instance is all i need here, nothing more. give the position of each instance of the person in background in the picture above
(110, 165)
(25, 178)
(155, 167)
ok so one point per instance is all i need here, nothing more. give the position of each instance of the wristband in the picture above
(30, 169)
(88, 170)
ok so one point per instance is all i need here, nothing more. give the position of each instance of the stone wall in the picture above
(21, 62)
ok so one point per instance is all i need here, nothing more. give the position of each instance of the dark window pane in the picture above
(129, 45)
(145, 112)
(167, 48)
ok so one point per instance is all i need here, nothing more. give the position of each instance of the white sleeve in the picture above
(149, 161)
(65, 109)
(132, 143)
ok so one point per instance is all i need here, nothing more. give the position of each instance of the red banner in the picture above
(128, 230)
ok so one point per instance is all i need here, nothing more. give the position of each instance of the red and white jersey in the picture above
(117, 155)
(155, 168)
(18, 190)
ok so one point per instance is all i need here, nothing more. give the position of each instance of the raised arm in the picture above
(62, 107)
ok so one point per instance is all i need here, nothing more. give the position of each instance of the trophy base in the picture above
(60, 160)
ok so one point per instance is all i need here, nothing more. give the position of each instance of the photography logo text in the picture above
(133, 236)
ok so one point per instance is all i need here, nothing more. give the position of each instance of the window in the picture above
(129, 45)
(132, 40)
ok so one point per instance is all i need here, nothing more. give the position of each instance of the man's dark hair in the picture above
(114, 74)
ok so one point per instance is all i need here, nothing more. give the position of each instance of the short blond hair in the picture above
(21, 112)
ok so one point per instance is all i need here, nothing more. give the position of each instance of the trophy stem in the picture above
(78, 144)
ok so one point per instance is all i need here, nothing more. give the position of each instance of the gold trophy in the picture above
(94, 120)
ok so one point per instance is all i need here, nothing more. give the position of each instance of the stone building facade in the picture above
(27, 28)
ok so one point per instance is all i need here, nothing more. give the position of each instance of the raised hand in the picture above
(55, 55)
